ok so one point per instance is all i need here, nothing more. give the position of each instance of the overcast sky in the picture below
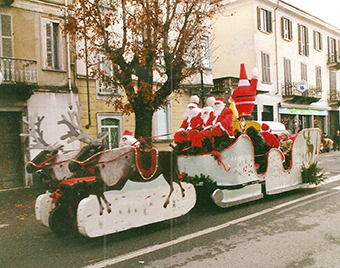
(327, 10)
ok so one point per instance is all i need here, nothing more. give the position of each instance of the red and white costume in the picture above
(220, 122)
(244, 95)
(192, 122)
(271, 140)
(128, 140)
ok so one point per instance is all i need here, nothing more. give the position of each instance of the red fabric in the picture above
(271, 139)
(225, 126)
(73, 181)
(244, 98)
(191, 128)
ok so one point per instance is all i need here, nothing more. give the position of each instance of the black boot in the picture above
(178, 149)
(217, 143)
(207, 144)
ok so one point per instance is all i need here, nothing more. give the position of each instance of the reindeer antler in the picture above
(76, 131)
(36, 133)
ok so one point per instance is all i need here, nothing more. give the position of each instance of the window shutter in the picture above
(49, 44)
(258, 18)
(290, 33)
(283, 27)
(6, 33)
(269, 21)
(300, 41)
(307, 43)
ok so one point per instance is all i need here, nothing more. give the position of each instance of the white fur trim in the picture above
(243, 82)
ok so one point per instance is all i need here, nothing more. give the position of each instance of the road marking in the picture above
(3, 225)
(336, 188)
(154, 248)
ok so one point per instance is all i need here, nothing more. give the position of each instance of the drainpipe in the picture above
(276, 56)
(69, 65)
(87, 77)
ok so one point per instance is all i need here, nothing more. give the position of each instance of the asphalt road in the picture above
(294, 229)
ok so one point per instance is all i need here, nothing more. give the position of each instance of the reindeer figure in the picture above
(309, 145)
(51, 162)
(113, 168)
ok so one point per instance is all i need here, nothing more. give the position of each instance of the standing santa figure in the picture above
(244, 95)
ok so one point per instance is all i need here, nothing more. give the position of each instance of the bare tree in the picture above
(152, 45)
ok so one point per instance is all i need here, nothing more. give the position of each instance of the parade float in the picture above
(129, 187)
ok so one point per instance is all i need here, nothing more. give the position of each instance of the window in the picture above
(287, 72)
(268, 113)
(6, 36)
(199, 52)
(332, 50)
(254, 113)
(304, 71)
(318, 77)
(161, 123)
(317, 40)
(303, 40)
(105, 81)
(51, 44)
(113, 125)
(264, 20)
(332, 81)
(265, 67)
(286, 26)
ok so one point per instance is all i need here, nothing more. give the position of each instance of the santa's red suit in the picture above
(220, 122)
(270, 138)
(191, 124)
(244, 95)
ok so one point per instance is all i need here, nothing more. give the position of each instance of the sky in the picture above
(327, 10)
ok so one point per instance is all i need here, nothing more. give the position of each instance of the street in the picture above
(293, 229)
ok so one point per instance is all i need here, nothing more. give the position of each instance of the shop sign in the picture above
(308, 111)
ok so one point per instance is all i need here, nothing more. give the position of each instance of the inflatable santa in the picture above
(244, 95)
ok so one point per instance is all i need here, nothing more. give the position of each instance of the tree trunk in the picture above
(143, 120)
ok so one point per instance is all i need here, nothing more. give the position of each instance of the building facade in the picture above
(295, 53)
(37, 77)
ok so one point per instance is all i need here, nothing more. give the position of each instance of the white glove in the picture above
(255, 73)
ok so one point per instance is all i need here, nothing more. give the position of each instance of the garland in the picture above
(313, 174)
(202, 181)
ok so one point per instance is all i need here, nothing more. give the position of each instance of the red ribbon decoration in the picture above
(218, 157)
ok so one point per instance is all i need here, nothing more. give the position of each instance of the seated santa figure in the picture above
(191, 125)
(219, 124)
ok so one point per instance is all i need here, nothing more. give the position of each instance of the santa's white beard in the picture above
(218, 108)
(190, 113)
(130, 140)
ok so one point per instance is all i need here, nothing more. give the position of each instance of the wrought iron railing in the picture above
(290, 89)
(18, 70)
(334, 95)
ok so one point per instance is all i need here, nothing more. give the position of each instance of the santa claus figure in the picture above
(244, 95)
(271, 140)
(128, 140)
(191, 125)
(219, 123)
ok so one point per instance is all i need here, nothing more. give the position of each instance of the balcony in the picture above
(18, 71)
(334, 98)
(296, 93)
(19, 77)
(333, 62)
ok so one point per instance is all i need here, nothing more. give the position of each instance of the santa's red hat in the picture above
(194, 101)
(219, 100)
(265, 128)
(127, 133)
(243, 77)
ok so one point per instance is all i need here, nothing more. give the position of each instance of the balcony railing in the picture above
(18, 70)
(291, 93)
(333, 61)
